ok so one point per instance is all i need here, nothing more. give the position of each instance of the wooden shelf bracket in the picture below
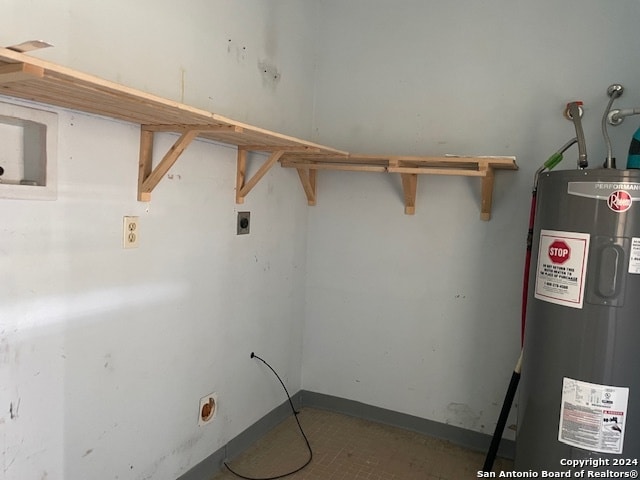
(308, 179)
(486, 198)
(409, 187)
(244, 186)
(149, 177)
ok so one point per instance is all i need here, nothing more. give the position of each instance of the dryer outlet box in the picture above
(244, 219)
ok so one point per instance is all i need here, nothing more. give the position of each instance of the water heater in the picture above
(580, 388)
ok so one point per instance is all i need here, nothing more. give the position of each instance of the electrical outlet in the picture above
(208, 408)
(130, 232)
(244, 219)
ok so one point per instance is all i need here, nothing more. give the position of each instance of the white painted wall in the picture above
(210, 54)
(421, 314)
(105, 352)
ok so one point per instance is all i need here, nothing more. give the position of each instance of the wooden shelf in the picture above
(409, 167)
(25, 77)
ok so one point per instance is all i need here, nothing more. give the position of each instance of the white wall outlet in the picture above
(130, 232)
(208, 408)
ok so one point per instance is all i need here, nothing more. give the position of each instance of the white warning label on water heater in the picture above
(593, 416)
(634, 258)
(562, 266)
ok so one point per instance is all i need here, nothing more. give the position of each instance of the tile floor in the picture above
(347, 448)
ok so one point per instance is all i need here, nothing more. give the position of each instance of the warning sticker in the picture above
(593, 416)
(634, 258)
(561, 269)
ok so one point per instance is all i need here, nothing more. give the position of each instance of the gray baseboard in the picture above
(211, 465)
(459, 436)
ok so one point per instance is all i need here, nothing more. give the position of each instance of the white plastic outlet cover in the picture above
(130, 232)
(208, 408)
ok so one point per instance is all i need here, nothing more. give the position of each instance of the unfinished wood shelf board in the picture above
(29, 78)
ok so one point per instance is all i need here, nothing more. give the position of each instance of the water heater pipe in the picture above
(614, 91)
(574, 112)
(617, 116)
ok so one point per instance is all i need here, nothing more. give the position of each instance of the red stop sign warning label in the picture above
(559, 252)
(561, 267)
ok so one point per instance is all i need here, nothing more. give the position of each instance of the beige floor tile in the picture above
(348, 448)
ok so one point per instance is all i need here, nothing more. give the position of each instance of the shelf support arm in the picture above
(409, 187)
(308, 179)
(243, 188)
(487, 190)
(149, 178)
(241, 170)
(145, 163)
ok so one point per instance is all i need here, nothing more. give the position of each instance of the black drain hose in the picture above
(515, 376)
(502, 419)
(551, 162)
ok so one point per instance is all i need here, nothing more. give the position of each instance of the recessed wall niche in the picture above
(28, 147)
